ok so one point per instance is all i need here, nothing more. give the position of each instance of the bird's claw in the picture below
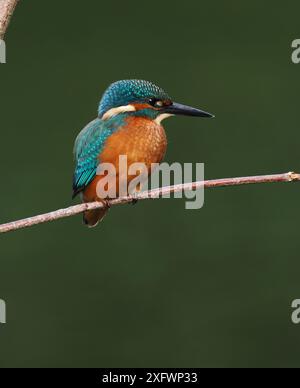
(134, 201)
(107, 203)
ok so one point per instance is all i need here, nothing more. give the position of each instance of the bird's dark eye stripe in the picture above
(152, 101)
(156, 102)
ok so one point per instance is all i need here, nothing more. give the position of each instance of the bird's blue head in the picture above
(142, 98)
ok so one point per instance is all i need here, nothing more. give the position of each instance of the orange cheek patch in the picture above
(142, 106)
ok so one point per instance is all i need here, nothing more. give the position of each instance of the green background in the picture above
(154, 285)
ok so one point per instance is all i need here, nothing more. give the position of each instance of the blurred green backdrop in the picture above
(154, 285)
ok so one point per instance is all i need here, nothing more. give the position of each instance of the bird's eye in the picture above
(156, 103)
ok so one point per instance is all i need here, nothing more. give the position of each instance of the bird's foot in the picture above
(107, 203)
(134, 200)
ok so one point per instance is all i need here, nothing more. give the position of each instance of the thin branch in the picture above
(152, 194)
(7, 8)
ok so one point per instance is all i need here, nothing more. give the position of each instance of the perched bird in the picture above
(128, 123)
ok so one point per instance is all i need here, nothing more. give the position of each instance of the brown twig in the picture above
(7, 8)
(152, 194)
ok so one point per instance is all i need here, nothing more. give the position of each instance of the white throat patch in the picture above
(161, 117)
(115, 111)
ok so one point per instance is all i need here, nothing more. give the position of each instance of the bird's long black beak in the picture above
(184, 110)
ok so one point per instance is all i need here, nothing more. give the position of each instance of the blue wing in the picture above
(88, 146)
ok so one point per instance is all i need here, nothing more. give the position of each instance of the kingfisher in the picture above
(129, 120)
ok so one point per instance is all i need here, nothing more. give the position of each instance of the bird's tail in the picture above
(91, 218)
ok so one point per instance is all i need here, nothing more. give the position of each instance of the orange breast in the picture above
(141, 141)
